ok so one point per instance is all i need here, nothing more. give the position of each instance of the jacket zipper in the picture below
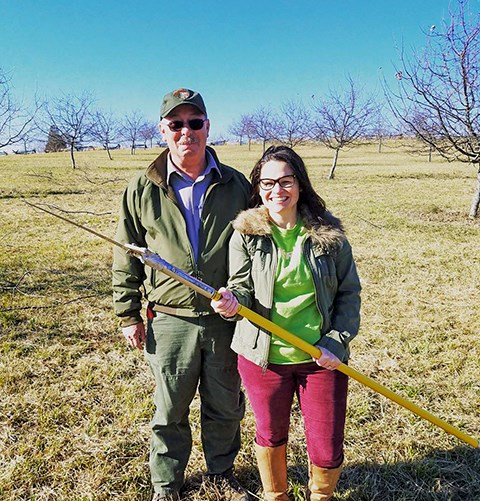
(316, 288)
(271, 286)
(197, 274)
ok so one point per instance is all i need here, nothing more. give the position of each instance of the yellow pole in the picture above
(155, 261)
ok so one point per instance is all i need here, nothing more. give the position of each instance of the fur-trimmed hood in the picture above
(326, 232)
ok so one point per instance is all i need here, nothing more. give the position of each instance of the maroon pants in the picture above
(322, 395)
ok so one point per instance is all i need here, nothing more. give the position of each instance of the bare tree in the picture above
(243, 128)
(293, 123)
(16, 123)
(28, 140)
(411, 141)
(342, 119)
(70, 116)
(131, 128)
(264, 125)
(438, 91)
(104, 129)
(149, 132)
(382, 126)
(236, 129)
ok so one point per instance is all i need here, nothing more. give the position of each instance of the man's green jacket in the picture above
(150, 217)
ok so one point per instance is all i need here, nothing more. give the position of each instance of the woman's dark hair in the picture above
(308, 196)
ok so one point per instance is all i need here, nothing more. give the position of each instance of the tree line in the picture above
(70, 123)
(434, 98)
(342, 118)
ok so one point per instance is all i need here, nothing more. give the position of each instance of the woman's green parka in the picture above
(252, 267)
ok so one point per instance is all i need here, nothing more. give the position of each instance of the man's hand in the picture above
(227, 305)
(135, 335)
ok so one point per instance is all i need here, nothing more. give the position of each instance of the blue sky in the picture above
(240, 55)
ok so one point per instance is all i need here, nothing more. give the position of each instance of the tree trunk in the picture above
(476, 197)
(331, 175)
(109, 154)
(72, 157)
(379, 145)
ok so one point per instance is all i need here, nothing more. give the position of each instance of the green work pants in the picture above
(185, 354)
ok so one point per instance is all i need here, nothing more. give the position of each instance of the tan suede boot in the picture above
(322, 482)
(272, 465)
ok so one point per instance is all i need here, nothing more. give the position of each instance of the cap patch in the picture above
(182, 93)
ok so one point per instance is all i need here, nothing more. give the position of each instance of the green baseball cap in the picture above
(181, 96)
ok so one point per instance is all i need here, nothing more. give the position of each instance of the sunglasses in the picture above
(178, 125)
(284, 182)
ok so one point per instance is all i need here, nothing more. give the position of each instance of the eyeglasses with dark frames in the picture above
(178, 125)
(284, 182)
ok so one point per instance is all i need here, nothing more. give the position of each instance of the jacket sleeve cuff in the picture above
(235, 318)
(331, 343)
(130, 320)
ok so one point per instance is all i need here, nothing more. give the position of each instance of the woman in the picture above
(291, 262)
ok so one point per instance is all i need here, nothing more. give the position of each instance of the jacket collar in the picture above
(157, 170)
(327, 233)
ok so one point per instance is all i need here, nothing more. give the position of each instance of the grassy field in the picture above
(75, 402)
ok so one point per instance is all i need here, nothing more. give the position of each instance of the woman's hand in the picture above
(227, 305)
(327, 360)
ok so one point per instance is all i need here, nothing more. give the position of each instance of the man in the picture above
(181, 208)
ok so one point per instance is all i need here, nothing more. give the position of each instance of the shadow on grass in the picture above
(441, 475)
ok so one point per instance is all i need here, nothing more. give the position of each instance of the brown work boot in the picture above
(272, 466)
(322, 482)
(224, 487)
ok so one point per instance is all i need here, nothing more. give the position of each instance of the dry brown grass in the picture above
(75, 402)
